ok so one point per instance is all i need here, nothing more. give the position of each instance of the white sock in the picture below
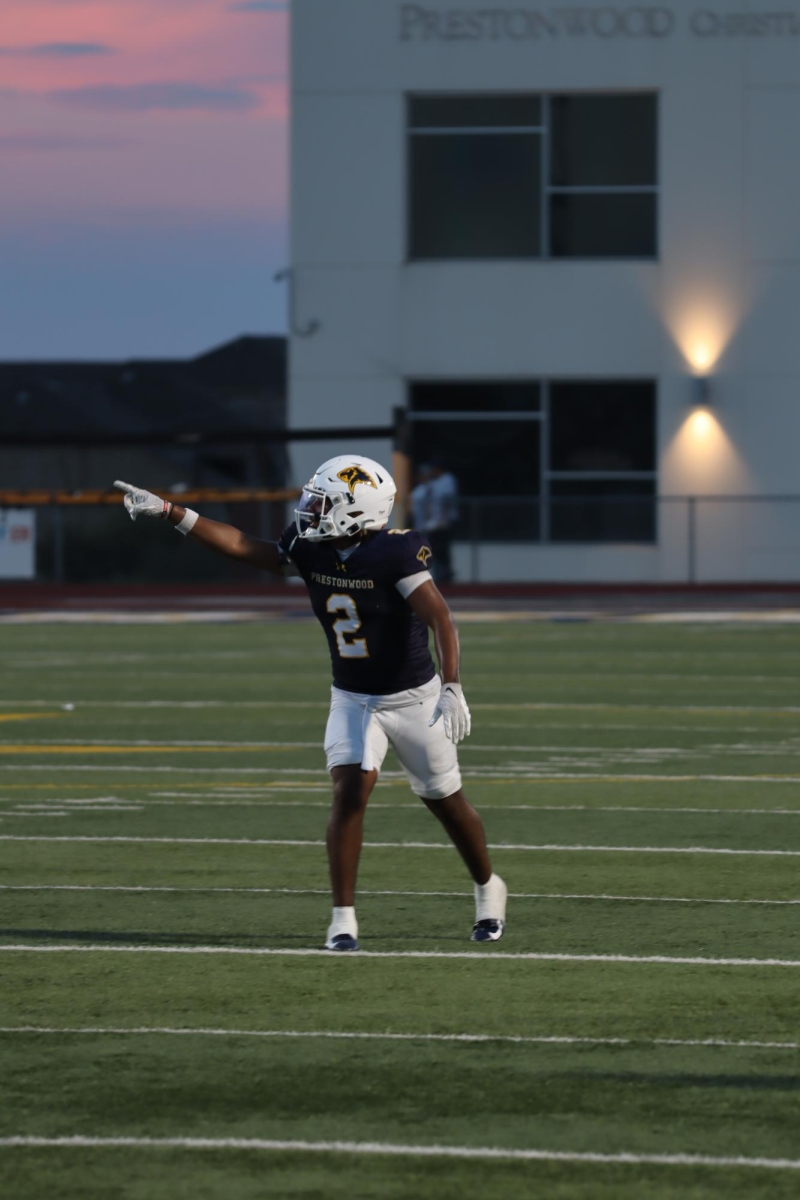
(343, 920)
(490, 900)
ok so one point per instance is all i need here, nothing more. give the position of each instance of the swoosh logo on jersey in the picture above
(353, 475)
(423, 554)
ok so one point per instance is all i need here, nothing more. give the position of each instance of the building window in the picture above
(552, 461)
(533, 176)
(489, 436)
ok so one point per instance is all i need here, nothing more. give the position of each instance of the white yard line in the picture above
(634, 808)
(594, 727)
(566, 750)
(494, 1153)
(501, 774)
(526, 706)
(254, 792)
(74, 807)
(51, 812)
(227, 744)
(286, 891)
(200, 800)
(57, 767)
(514, 773)
(546, 848)
(183, 742)
(235, 799)
(361, 955)
(360, 1035)
(167, 703)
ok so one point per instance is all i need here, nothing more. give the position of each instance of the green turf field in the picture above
(642, 786)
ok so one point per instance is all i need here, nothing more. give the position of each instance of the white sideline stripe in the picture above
(624, 1158)
(474, 955)
(285, 891)
(19, 837)
(336, 1035)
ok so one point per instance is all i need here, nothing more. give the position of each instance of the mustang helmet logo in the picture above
(353, 475)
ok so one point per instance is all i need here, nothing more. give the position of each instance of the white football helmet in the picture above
(348, 494)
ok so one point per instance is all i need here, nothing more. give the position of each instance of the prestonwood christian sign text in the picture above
(419, 24)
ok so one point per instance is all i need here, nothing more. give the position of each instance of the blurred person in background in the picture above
(434, 511)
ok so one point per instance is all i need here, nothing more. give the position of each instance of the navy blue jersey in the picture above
(378, 644)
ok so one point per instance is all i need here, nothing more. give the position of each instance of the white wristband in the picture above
(188, 523)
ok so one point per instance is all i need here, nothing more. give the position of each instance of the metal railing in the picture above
(642, 539)
(86, 537)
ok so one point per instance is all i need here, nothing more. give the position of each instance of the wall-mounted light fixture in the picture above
(700, 391)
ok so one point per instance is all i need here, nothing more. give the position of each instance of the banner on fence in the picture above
(17, 543)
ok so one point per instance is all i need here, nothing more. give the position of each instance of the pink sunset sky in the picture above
(143, 175)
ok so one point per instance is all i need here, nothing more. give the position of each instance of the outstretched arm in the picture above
(224, 539)
(230, 541)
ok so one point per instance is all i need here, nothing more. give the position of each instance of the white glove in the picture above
(452, 708)
(141, 503)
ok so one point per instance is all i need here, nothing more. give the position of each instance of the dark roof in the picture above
(239, 386)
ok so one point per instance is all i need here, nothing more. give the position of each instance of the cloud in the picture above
(26, 143)
(56, 50)
(270, 6)
(157, 97)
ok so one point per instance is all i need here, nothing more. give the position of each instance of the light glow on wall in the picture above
(702, 459)
(702, 341)
(701, 357)
(701, 426)
(702, 326)
(701, 450)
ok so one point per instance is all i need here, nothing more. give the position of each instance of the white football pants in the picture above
(361, 728)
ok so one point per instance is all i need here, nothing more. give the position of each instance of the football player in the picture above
(372, 591)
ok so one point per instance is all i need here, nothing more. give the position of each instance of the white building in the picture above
(546, 225)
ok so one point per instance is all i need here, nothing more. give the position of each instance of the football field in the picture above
(170, 1028)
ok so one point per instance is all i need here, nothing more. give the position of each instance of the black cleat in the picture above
(487, 931)
(341, 942)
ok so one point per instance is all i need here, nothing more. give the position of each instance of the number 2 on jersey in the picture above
(346, 626)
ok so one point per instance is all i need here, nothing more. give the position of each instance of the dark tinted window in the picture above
(602, 511)
(475, 195)
(488, 459)
(458, 112)
(476, 186)
(602, 225)
(484, 397)
(602, 426)
(598, 435)
(603, 140)
(501, 521)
